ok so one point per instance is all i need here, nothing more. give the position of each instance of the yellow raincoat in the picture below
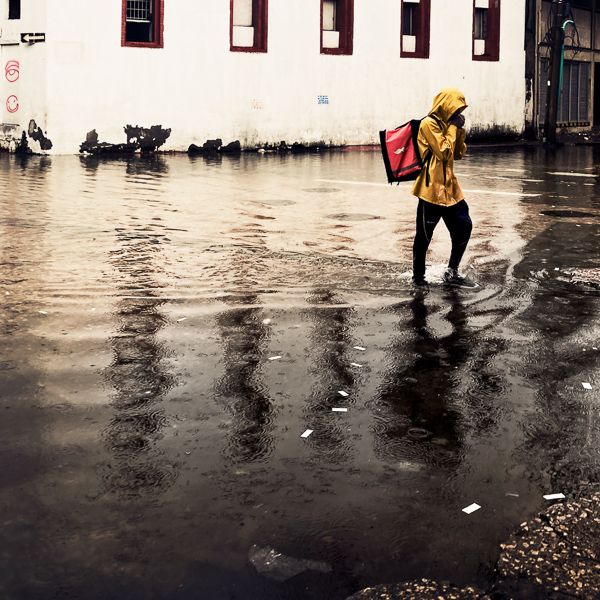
(446, 143)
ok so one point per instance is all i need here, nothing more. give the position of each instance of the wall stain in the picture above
(148, 140)
(138, 138)
(493, 133)
(36, 133)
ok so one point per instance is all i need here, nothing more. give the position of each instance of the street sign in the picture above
(32, 38)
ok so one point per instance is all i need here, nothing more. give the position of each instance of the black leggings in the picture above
(459, 225)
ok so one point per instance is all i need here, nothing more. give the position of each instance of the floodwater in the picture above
(172, 325)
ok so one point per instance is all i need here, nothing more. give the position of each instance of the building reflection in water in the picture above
(330, 336)
(414, 418)
(138, 372)
(244, 335)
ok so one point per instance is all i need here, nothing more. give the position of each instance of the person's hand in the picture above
(458, 121)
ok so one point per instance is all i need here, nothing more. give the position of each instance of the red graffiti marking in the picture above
(12, 104)
(12, 70)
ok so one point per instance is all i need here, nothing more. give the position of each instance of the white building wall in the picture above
(23, 103)
(81, 79)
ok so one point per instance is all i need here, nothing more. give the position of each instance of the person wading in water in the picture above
(442, 135)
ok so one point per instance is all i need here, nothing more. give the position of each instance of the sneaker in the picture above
(422, 284)
(451, 277)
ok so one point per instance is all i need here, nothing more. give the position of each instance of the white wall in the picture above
(200, 90)
(23, 89)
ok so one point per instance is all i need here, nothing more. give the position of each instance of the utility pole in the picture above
(554, 81)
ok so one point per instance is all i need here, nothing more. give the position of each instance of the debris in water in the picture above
(182, 319)
(345, 394)
(586, 385)
(511, 494)
(355, 365)
(267, 561)
(554, 497)
(359, 348)
(275, 358)
(471, 509)
(43, 312)
(266, 321)
(339, 409)
(307, 433)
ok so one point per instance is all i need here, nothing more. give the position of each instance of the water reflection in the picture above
(138, 372)
(561, 433)
(331, 338)
(244, 337)
(415, 418)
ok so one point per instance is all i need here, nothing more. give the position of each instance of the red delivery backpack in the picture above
(401, 156)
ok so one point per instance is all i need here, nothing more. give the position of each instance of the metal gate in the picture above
(574, 94)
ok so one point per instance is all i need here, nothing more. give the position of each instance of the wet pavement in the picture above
(172, 325)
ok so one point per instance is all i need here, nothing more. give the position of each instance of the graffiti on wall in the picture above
(12, 73)
(12, 70)
(12, 104)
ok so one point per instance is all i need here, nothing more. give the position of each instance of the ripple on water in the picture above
(353, 217)
(274, 202)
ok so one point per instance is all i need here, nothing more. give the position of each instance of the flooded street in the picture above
(172, 325)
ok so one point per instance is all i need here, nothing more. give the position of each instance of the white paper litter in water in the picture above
(306, 433)
(275, 358)
(557, 268)
(182, 319)
(511, 494)
(554, 496)
(339, 410)
(587, 385)
(359, 348)
(43, 312)
(8, 293)
(471, 509)
(355, 365)
(345, 394)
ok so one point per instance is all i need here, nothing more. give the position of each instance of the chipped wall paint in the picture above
(81, 80)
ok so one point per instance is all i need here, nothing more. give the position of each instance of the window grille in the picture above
(139, 11)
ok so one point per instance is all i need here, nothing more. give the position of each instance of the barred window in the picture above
(139, 10)
(142, 23)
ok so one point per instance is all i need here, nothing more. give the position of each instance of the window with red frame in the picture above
(142, 23)
(248, 25)
(486, 30)
(337, 26)
(415, 28)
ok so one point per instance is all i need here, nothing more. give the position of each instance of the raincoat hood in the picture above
(447, 102)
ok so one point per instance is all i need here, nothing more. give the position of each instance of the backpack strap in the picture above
(427, 160)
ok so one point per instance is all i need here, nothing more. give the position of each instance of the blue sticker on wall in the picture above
(323, 99)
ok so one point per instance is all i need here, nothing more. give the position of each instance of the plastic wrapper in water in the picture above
(270, 563)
